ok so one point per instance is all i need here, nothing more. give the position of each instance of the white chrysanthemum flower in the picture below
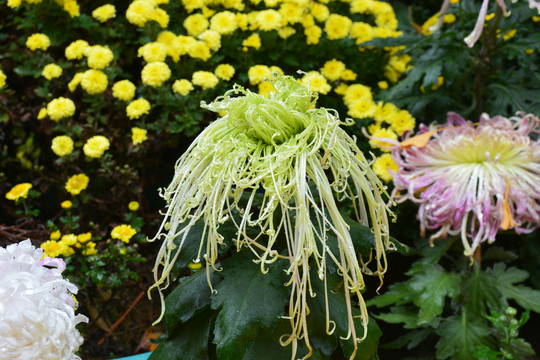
(37, 308)
(277, 146)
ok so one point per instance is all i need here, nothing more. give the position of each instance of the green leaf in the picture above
(483, 352)
(407, 315)
(521, 349)
(266, 344)
(480, 289)
(367, 349)
(397, 294)
(433, 286)
(506, 278)
(248, 300)
(192, 243)
(191, 294)
(460, 334)
(189, 341)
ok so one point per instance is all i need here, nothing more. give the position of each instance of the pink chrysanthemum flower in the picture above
(472, 179)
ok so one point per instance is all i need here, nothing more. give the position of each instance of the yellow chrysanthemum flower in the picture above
(378, 138)
(96, 146)
(320, 12)
(402, 121)
(348, 75)
(196, 24)
(313, 34)
(199, 50)
(361, 109)
(77, 183)
(72, 8)
(51, 71)
(154, 74)
(212, 39)
(72, 85)
(55, 235)
(133, 206)
(268, 20)
(224, 22)
(356, 92)
(333, 69)
(337, 26)
(139, 12)
(204, 79)
(19, 191)
(253, 40)
(137, 108)
(42, 114)
(123, 90)
(75, 50)
(66, 204)
(94, 81)
(85, 237)
(316, 82)
(51, 248)
(3, 78)
(62, 145)
(38, 41)
(89, 249)
(123, 232)
(382, 164)
(98, 57)
(60, 108)
(258, 73)
(224, 71)
(138, 135)
(182, 87)
(104, 13)
(152, 52)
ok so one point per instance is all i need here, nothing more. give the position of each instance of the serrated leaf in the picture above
(407, 315)
(191, 294)
(189, 341)
(411, 339)
(190, 248)
(266, 344)
(433, 286)
(397, 294)
(506, 278)
(459, 336)
(248, 300)
(367, 349)
(480, 289)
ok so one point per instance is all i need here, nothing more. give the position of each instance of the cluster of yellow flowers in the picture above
(65, 245)
(69, 6)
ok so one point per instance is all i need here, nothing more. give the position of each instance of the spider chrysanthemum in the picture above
(473, 179)
(37, 307)
(302, 161)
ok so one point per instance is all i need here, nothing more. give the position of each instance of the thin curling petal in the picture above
(472, 179)
(276, 147)
(479, 26)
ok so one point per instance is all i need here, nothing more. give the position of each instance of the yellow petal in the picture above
(507, 220)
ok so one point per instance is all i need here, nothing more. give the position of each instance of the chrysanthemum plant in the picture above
(467, 186)
(473, 184)
(260, 200)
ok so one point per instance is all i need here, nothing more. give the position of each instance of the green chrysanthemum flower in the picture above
(277, 146)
